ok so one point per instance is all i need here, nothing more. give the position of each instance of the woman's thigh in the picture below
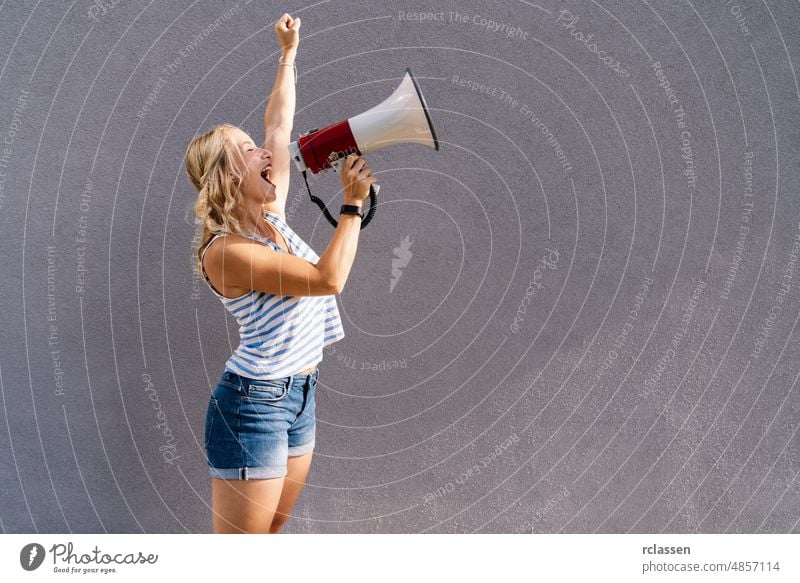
(293, 486)
(244, 506)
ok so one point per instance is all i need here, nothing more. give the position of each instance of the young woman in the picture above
(260, 421)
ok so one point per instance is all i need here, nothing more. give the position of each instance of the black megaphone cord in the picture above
(319, 202)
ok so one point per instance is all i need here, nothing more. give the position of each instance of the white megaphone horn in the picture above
(403, 117)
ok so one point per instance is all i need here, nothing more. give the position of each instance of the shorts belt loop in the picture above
(291, 380)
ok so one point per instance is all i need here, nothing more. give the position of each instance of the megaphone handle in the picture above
(373, 194)
(373, 203)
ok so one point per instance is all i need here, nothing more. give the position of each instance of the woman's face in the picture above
(255, 164)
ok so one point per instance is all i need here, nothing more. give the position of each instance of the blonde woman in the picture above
(260, 421)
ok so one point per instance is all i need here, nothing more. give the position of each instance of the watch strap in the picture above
(351, 209)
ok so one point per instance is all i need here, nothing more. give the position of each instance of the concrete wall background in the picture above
(595, 330)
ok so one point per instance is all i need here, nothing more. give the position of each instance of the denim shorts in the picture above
(252, 426)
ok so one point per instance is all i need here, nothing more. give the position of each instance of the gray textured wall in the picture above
(595, 331)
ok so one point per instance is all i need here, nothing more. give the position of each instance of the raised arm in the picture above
(279, 113)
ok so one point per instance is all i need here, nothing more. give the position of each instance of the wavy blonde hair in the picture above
(210, 168)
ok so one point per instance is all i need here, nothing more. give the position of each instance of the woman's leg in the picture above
(244, 506)
(298, 467)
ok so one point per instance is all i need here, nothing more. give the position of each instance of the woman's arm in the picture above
(242, 263)
(279, 114)
(280, 106)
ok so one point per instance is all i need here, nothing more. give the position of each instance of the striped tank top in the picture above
(280, 335)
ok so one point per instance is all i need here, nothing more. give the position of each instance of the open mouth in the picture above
(265, 174)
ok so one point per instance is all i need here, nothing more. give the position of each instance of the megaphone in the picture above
(403, 117)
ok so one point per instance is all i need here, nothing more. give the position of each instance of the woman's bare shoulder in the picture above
(232, 244)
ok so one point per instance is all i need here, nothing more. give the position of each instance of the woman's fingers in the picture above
(284, 22)
(357, 167)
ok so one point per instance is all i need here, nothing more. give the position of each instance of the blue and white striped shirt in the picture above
(280, 335)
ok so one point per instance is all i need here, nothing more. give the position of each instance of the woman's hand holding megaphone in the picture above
(356, 177)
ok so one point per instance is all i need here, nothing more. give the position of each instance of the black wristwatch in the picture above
(351, 209)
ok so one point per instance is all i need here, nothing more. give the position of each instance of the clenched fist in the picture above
(287, 29)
